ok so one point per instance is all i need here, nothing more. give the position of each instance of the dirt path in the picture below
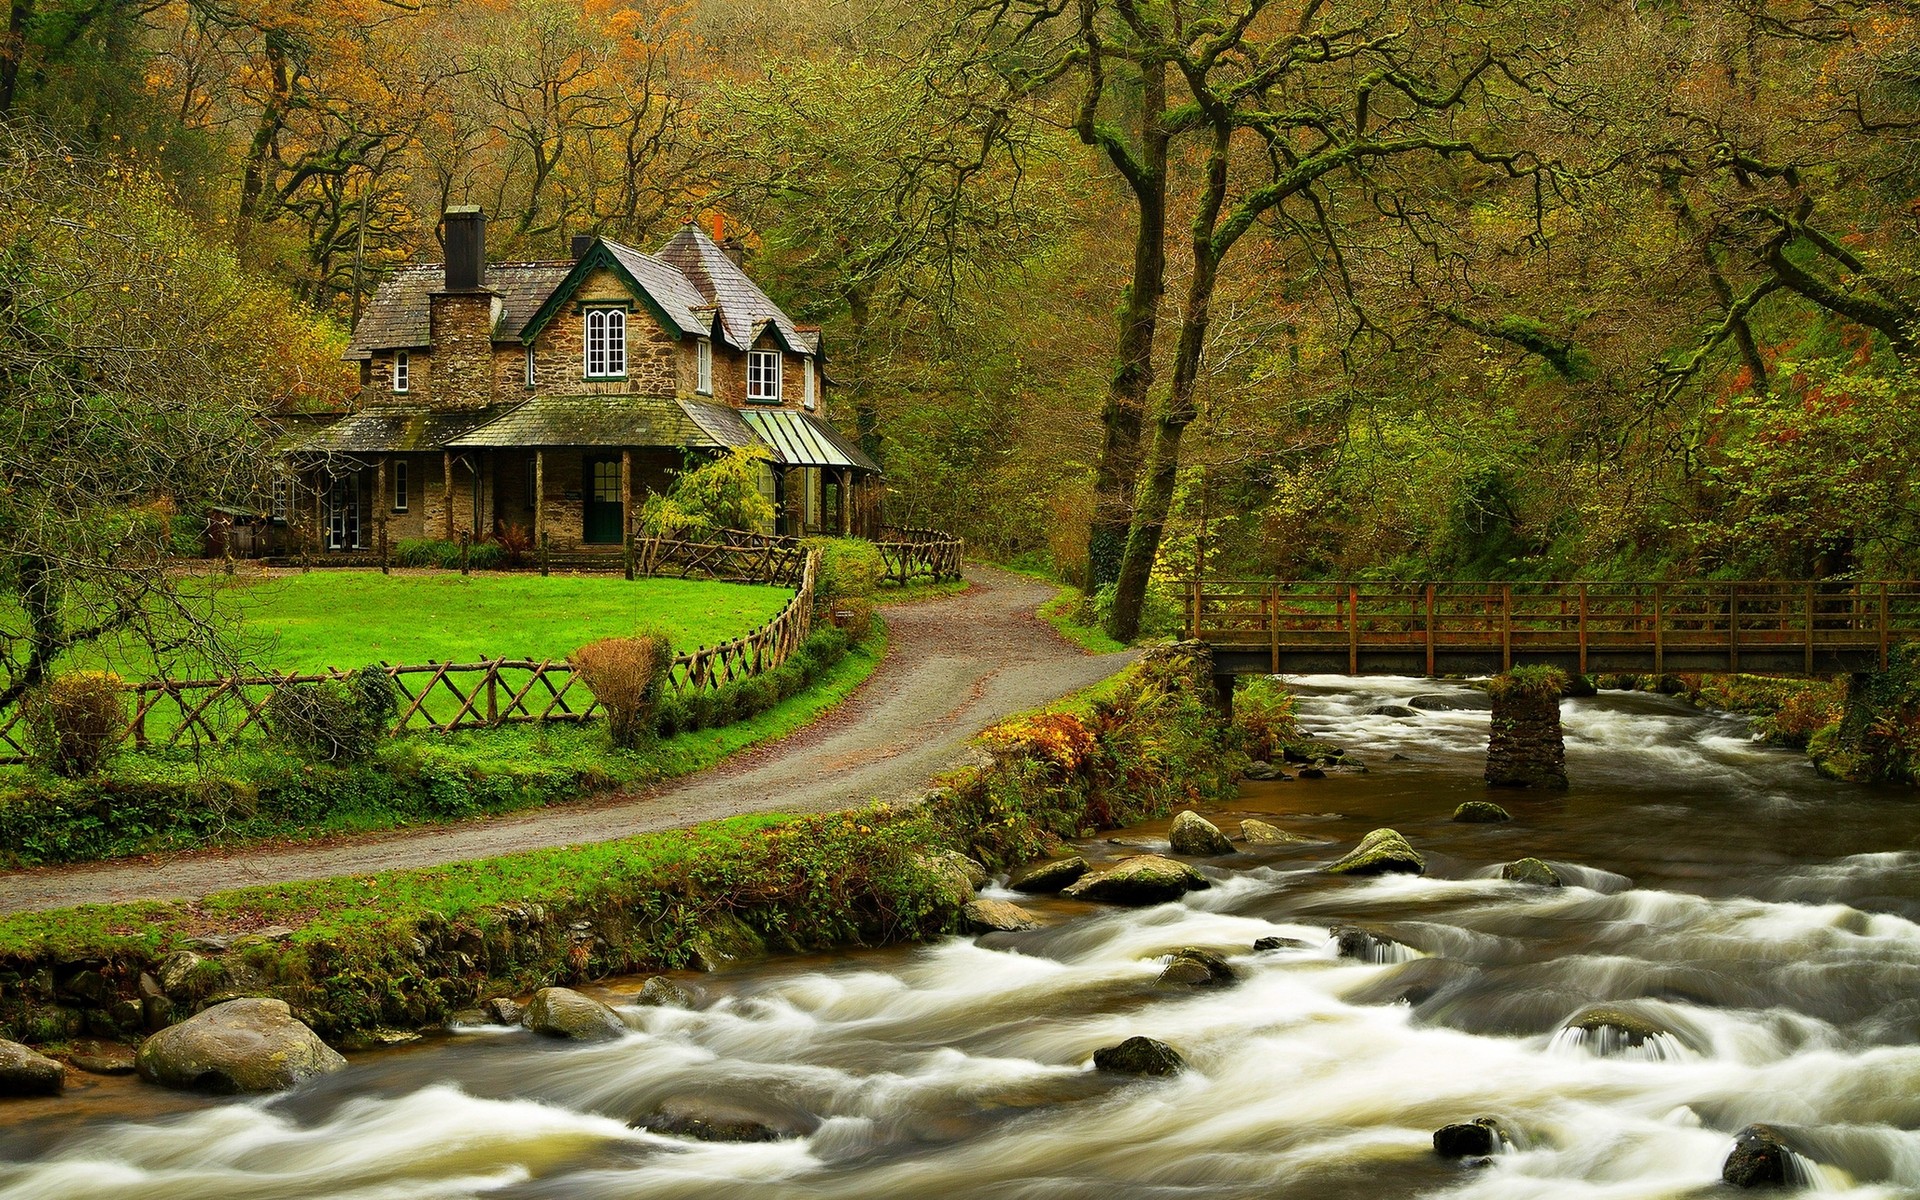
(954, 667)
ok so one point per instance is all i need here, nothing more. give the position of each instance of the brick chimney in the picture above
(466, 248)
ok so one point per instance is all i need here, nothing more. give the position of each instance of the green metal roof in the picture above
(801, 440)
(589, 421)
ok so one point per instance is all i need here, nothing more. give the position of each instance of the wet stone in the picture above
(1532, 872)
(23, 1072)
(1192, 834)
(503, 1010)
(1280, 943)
(1381, 852)
(996, 916)
(1051, 876)
(1264, 772)
(1140, 880)
(1261, 833)
(564, 1013)
(246, 1045)
(1139, 1056)
(1760, 1158)
(660, 992)
(1196, 968)
(1481, 812)
(716, 1121)
(1479, 1138)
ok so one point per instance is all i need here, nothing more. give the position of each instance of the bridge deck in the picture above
(1258, 627)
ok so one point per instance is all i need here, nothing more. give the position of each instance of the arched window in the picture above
(606, 343)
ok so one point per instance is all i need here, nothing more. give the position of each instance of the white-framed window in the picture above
(703, 367)
(806, 369)
(763, 375)
(280, 490)
(606, 343)
(400, 486)
(400, 370)
(530, 376)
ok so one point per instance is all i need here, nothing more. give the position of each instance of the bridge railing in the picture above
(1577, 619)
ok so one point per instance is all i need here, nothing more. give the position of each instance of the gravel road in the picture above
(954, 666)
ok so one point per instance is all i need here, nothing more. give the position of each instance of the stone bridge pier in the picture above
(1526, 747)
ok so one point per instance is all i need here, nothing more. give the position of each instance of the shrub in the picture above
(1263, 712)
(719, 493)
(626, 675)
(427, 552)
(1538, 682)
(75, 720)
(481, 556)
(850, 568)
(515, 542)
(333, 720)
(187, 535)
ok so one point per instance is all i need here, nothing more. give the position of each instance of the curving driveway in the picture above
(955, 666)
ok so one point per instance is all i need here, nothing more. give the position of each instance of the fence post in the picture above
(626, 551)
(1353, 630)
(1733, 628)
(493, 702)
(1429, 629)
(1809, 628)
(1583, 629)
(1659, 630)
(1506, 627)
(545, 543)
(466, 550)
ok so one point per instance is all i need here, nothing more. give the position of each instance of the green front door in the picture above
(605, 516)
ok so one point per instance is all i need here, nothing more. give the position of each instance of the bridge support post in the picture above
(1526, 747)
(1223, 697)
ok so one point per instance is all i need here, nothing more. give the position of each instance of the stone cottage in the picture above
(555, 396)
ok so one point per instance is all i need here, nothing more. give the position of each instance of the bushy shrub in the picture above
(626, 675)
(1540, 683)
(427, 552)
(333, 720)
(711, 495)
(515, 542)
(850, 568)
(75, 720)
(1263, 713)
(482, 556)
(687, 712)
(187, 535)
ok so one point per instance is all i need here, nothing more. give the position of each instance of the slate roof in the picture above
(588, 421)
(720, 422)
(800, 440)
(399, 315)
(744, 308)
(394, 430)
(670, 289)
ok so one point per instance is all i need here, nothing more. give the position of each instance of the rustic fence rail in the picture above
(912, 553)
(731, 554)
(439, 696)
(1776, 627)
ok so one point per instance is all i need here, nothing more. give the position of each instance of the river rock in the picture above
(1195, 835)
(1381, 852)
(1142, 879)
(1051, 876)
(25, 1073)
(1259, 833)
(975, 874)
(1365, 945)
(725, 939)
(953, 874)
(179, 973)
(1760, 1158)
(996, 916)
(563, 1012)
(660, 992)
(102, 1058)
(1446, 702)
(1278, 943)
(1139, 1056)
(1628, 1027)
(1399, 711)
(503, 1010)
(1313, 771)
(1481, 812)
(1196, 968)
(248, 1045)
(708, 1120)
(1478, 1138)
(1531, 871)
(1263, 772)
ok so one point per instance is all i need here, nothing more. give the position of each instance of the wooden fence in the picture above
(439, 697)
(911, 553)
(732, 554)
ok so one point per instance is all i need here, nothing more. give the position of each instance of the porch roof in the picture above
(587, 421)
(393, 430)
(803, 440)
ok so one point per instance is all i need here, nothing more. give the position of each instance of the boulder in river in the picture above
(1142, 879)
(1368, 945)
(252, 1044)
(564, 1013)
(1760, 1158)
(25, 1073)
(996, 916)
(1139, 1056)
(725, 939)
(1611, 1028)
(660, 992)
(1452, 702)
(1193, 967)
(1260, 833)
(1263, 772)
(1053, 875)
(956, 875)
(1397, 711)
(1195, 835)
(708, 1120)
(1381, 852)
(1481, 812)
(1531, 871)
(1278, 943)
(1478, 1138)
(503, 1010)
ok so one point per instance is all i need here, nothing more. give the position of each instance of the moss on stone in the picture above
(1381, 852)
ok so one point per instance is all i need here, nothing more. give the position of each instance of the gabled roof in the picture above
(664, 291)
(800, 440)
(743, 306)
(400, 315)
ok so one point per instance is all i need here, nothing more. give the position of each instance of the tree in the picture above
(137, 363)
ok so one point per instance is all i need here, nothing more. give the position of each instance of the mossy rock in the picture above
(1531, 871)
(1140, 880)
(25, 1073)
(247, 1045)
(1260, 833)
(564, 1013)
(1760, 1158)
(1054, 875)
(1192, 834)
(660, 992)
(1381, 852)
(724, 940)
(1139, 1056)
(1481, 812)
(996, 916)
(1193, 967)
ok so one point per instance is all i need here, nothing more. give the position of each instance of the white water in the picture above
(1786, 973)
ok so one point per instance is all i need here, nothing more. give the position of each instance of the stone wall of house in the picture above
(560, 350)
(376, 376)
(462, 329)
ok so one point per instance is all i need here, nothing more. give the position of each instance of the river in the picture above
(1766, 917)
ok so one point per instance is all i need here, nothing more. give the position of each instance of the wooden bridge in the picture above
(1263, 627)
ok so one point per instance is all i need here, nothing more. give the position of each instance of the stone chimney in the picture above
(582, 242)
(462, 318)
(466, 248)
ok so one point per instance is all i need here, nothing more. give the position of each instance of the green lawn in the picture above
(336, 618)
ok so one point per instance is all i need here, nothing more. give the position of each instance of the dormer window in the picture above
(400, 371)
(529, 367)
(763, 376)
(806, 368)
(703, 367)
(606, 343)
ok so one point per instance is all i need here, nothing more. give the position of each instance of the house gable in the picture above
(653, 286)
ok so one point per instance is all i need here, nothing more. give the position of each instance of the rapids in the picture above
(1766, 919)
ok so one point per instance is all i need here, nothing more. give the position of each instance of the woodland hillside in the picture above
(1509, 289)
